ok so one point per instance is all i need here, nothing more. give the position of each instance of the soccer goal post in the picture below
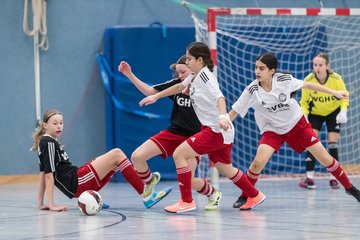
(237, 36)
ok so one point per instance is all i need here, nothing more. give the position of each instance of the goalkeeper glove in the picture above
(341, 117)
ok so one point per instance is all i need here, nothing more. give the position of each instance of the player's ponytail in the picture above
(200, 49)
(40, 130)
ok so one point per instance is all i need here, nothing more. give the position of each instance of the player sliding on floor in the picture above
(57, 170)
(280, 119)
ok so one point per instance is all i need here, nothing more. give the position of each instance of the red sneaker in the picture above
(252, 202)
(181, 206)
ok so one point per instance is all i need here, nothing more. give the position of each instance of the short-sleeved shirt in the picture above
(320, 103)
(204, 93)
(276, 110)
(53, 158)
(183, 121)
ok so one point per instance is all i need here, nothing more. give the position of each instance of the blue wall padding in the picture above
(149, 50)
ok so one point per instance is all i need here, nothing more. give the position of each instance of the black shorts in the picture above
(317, 121)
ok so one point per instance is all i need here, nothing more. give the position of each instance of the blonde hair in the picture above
(40, 130)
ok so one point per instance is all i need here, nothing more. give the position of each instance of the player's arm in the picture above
(233, 114)
(317, 87)
(177, 88)
(224, 120)
(41, 192)
(125, 69)
(49, 189)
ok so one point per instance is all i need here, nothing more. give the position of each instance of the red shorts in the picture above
(89, 180)
(300, 137)
(208, 142)
(168, 142)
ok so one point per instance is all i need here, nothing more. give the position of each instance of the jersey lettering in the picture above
(278, 107)
(324, 99)
(184, 102)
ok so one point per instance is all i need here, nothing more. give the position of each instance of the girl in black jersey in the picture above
(56, 169)
(183, 124)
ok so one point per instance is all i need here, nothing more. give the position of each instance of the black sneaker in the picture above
(353, 191)
(241, 201)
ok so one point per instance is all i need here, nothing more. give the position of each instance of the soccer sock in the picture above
(242, 182)
(129, 173)
(184, 181)
(336, 170)
(310, 162)
(333, 150)
(207, 189)
(252, 177)
(145, 176)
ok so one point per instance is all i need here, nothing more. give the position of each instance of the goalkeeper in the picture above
(319, 108)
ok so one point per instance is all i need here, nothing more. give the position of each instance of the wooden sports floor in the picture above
(289, 212)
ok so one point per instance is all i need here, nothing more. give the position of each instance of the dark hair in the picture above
(269, 60)
(181, 60)
(199, 49)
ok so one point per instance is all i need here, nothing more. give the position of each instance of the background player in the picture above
(57, 170)
(280, 119)
(321, 107)
(183, 124)
(216, 135)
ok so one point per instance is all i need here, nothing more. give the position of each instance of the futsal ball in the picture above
(90, 202)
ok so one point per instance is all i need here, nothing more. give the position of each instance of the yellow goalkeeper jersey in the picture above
(319, 103)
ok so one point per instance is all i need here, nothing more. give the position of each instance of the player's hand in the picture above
(58, 208)
(148, 100)
(341, 94)
(224, 122)
(124, 68)
(341, 117)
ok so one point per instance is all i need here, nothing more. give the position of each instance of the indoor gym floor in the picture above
(289, 212)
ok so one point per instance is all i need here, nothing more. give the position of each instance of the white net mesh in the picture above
(295, 40)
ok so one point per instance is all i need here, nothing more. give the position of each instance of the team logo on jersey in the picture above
(193, 139)
(282, 97)
(313, 139)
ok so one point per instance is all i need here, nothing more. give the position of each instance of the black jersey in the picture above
(183, 120)
(53, 158)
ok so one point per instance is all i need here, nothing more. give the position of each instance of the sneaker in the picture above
(241, 201)
(213, 201)
(149, 189)
(105, 206)
(334, 184)
(307, 183)
(181, 207)
(353, 191)
(157, 197)
(252, 202)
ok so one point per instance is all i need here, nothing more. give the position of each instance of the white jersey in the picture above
(275, 111)
(204, 93)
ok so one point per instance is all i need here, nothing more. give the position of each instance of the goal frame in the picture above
(212, 13)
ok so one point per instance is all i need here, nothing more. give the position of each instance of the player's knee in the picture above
(118, 155)
(137, 156)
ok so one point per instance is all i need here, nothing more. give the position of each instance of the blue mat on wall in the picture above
(149, 50)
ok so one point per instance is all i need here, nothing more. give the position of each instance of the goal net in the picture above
(237, 36)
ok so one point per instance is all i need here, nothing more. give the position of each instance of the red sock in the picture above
(336, 170)
(243, 183)
(252, 177)
(184, 180)
(207, 189)
(129, 173)
(145, 176)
